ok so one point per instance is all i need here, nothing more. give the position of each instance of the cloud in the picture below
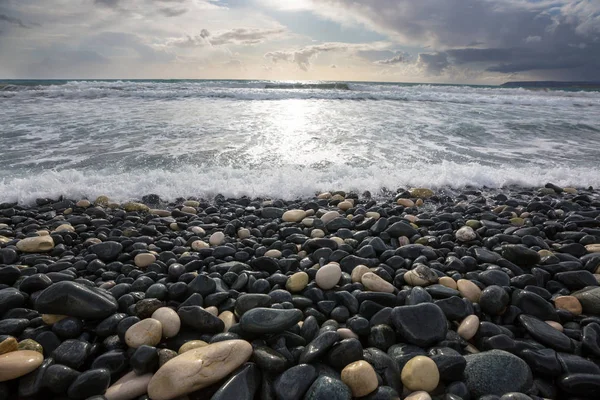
(238, 36)
(172, 12)
(400, 58)
(564, 35)
(302, 57)
(12, 20)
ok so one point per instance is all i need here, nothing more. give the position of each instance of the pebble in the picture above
(328, 276)
(376, 284)
(9, 344)
(146, 332)
(38, 244)
(297, 282)
(466, 234)
(468, 290)
(192, 344)
(269, 320)
(448, 282)
(420, 373)
(483, 369)
(468, 327)
(144, 259)
(76, 300)
(198, 368)
(15, 364)
(169, 320)
(293, 215)
(216, 239)
(422, 324)
(568, 303)
(360, 378)
(358, 272)
(198, 245)
(128, 387)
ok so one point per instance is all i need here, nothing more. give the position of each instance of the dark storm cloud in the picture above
(503, 36)
(12, 20)
(107, 3)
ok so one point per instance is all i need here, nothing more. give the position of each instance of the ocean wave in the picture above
(264, 90)
(285, 182)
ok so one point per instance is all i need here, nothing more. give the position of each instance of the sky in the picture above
(446, 41)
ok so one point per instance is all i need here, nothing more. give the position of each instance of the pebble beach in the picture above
(413, 294)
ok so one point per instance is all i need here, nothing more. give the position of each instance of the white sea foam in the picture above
(286, 182)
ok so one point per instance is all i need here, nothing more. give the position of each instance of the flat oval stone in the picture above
(76, 300)
(546, 334)
(534, 304)
(9, 344)
(483, 369)
(192, 344)
(422, 324)
(269, 320)
(569, 303)
(128, 387)
(318, 347)
(198, 368)
(469, 290)
(360, 378)
(216, 238)
(468, 327)
(142, 260)
(297, 282)
(148, 331)
(200, 319)
(169, 320)
(293, 215)
(420, 373)
(375, 283)
(15, 364)
(38, 244)
(328, 388)
(465, 234)
(587, 385)
(358, 272)
(328, 276)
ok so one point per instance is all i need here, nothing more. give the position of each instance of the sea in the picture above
(272, 139)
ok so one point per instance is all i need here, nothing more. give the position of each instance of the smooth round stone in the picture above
(420, 373)
(582, 384)
(243, 385)
(345, 352)
(469, 290)
(128, 387)
(568, 303)
(328, 276)
(493, 300)
(164, 355)
(38, 244)
(148, 331)
(555, 325)
(192, 344)
(405, 202)
(83, 203)
(468, 327)
(170, 321)
(198, 368)
(30, 344)
(15, 364)
(189, 210)
(293, 383)
(269, 320)
(421, 275)
(593, 248)
(329, 216)
(64, 228)
(269, 360)
(293, 215)
(144, 259)
(228, 319)
(9, 344)
(107, 251)
(212, 310)
(76, 300)
(198, 245)
(465, 234)
(358, 272)
(317, 233)
(345, 205)
(483, 369)
(450, 363)
(375, 283)
(448, 282)
(243, 233)
(421, 192)
(297, 282)
(328, 388)
(202, 320)
(273, 253)
(216, 239)
(90, 383)
(318, 347)
(360, 378)
(419, 395)
(422, 324)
